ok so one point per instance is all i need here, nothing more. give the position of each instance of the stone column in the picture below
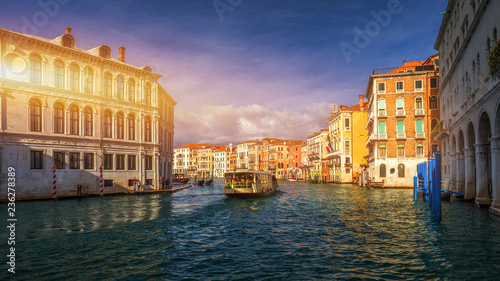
(470, 174)
(460, 173)
(495, 163)
(482, 151)
(453, 167)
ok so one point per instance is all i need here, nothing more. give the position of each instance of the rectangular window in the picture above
(381, 87)
(120, 162)
(347, 124)
(108, 161)
(74, 160)
(88, 160)
(382, 152)
(36, 159)
(149, 163)
(132, 162)
(149, 182)
(108, 183)
(59, 159)
(434, 83)
(400, 86)
(418, 86)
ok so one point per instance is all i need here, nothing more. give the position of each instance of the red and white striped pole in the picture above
(101, 182)
(54, 177)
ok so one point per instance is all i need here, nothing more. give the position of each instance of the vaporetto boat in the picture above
(249, 184)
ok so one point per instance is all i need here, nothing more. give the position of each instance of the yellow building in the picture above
(346, 141)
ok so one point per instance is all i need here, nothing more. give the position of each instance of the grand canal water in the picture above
(305, 232)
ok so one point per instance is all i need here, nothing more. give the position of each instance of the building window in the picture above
(88, 161)
(35, 116)
(131, 90)
(433, 102)
(88, 81)
(36, 160)
(347, 124)
(132, 162)
(108, 183)
(74, 120)
(149, 163)
(108, 85)
(347, 145)
(400, 103)
(108, 161)
(381, 87)
(74, 160)
(119, 88)
(419, 126)
(381, 130)
(434, 82)
(383, 171)
(107, 124)
(401, 150)
(59, 74)
(147, 130)
(119, 125)
(88, 124)
(120, 162)
(418, 86)
(382, 151)
(74, 78)
(420, 150)
(401, 170)
(131, 127)
(400, 86)
(418, 103)
(59, 159)
(58, 118)
(400, 127)
(35, 69)
(147, 94)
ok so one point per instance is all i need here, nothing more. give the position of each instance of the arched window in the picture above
(420, 150)
(401, 150)
(59, 74)
(418, 103)
(400, 126)
(147, 130)
(381, 108)
(58, 118)
(147, 94)
(347, 147)
(35, 116)
(108, 119)
(131, 90)
(74, 120)
(131, 127)
(419, 126)
(35, 69)
(382, 151)
(381, 130)
(88, 122)
(401, 170)
(119, 87)
(400, 103)
(383, 171)
(88, 81)
(74, 78)
(108, 85)
(119, 125)
(433, 102)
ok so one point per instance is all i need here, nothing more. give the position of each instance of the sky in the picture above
(246, 69)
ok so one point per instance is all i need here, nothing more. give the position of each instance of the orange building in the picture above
(403, 110)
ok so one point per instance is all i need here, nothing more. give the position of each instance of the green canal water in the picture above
(304, 232)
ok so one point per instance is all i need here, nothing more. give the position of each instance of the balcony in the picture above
(420, 135)
(401, 135)
(400, 112)
(382, 113)
(440, 131)
(382, 136)
(419, 112)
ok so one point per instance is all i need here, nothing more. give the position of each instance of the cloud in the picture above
(224, 124)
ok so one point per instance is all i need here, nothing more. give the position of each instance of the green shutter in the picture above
(381, 127)
(419, 126)
(381, 104)
(401, 126)
(400, 103)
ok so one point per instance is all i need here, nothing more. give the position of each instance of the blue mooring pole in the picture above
(437, 180)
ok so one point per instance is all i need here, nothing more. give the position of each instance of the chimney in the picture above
(404, 62)
(68, 30)
(121, 54)
(361, 102)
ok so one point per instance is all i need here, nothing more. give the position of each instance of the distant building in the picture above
(316, 154)
(469, 130)
(78, 110)
(403, 109)
(346, 142)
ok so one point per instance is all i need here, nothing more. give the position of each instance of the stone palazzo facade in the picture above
(77, 110)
